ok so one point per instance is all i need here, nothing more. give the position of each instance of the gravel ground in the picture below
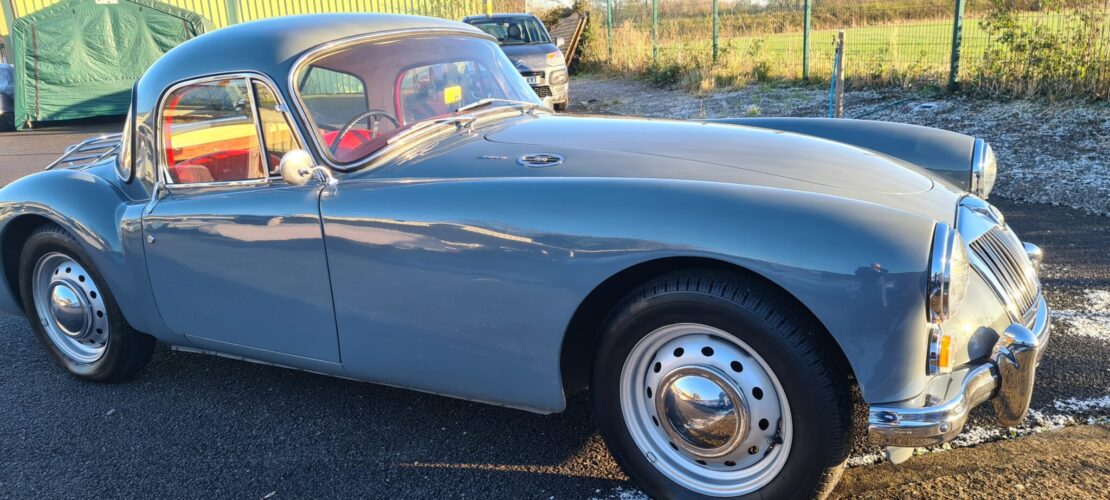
(1055, 153)
(200, 426)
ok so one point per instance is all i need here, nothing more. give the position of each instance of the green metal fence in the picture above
(941, 42)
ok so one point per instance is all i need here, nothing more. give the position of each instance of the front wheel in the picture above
(709, 384)
(73, 315)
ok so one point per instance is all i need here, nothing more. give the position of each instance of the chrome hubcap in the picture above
(70, 308)
(706, 410)
(704, 414)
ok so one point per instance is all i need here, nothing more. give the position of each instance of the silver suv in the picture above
(525, 40)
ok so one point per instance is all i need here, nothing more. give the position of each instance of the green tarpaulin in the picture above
(80, 58)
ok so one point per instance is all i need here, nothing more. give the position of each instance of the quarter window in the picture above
(277, 134)
(209, 133)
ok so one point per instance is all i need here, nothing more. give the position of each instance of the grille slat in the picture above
(1002, 252)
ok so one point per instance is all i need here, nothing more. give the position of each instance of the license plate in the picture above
(533, 80)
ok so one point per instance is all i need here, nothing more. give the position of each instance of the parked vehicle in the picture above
(383, 198)
(540, 61)
(7, 97)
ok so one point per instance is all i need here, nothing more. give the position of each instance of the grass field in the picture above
(913, 52)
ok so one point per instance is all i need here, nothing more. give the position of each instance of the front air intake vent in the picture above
(1002, 253)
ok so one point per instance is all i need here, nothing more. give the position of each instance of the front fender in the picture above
(103, 221)
(475, 285)
(948, 155)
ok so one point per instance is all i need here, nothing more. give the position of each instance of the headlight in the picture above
(984, 169)
(558, 76)
(555, 58)
(949, 272)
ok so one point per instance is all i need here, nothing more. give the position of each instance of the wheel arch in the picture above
(584, 329)
(100, 218)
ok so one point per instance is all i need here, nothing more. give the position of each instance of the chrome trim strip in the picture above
(1007, 377)
(249, 77)
(978, 151)
(323, 49)
(940, 272)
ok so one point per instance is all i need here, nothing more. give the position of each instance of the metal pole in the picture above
(957, 40)
(655, 32)
(9, 19)
(715, 23)
(232, 12)
(805, 39)
(839, 104)
(609, 26)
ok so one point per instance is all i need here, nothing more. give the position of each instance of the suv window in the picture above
(209, 133)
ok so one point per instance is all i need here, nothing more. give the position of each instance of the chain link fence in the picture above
(1021, 47)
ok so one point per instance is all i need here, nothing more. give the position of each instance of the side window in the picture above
(277, 135)
(209, 133)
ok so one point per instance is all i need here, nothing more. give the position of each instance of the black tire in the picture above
(763, 317)
(127, 350)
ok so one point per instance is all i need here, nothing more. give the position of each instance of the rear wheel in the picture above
(710, 385)
(73, 315)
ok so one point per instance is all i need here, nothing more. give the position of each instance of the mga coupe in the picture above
(384, 198)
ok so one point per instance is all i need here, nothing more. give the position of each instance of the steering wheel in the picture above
(374, 113)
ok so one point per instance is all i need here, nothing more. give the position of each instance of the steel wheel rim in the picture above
(731, 469)
(70, 308)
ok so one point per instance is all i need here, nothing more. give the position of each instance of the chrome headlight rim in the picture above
(949, 273)
(984, 169)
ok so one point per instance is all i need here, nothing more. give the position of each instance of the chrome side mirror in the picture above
(297, 167)
(560, 42)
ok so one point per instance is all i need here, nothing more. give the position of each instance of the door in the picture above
(235, 255)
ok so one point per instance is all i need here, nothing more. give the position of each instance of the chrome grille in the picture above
(1004, 256)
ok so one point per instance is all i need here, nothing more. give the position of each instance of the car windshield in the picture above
(513, 30)
(361, 96)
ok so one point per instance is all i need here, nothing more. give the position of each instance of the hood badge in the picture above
(540, 160)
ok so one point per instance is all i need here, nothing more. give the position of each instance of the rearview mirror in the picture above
(297, 167)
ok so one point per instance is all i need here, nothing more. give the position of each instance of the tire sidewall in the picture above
(40, 244)
(794, 375)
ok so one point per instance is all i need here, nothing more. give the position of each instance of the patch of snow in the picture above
(1075, 405)
(1094, 321)
(621, 493)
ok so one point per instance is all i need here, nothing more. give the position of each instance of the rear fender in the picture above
(103, 221)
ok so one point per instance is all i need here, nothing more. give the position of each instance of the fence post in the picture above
(838, 103)
(232, 12)
(808, 21)
(957, 40)
(9, 18)
(655, 32)
(609, 26)
(715, 23)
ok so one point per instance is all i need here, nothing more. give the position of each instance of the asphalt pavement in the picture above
(198, 426)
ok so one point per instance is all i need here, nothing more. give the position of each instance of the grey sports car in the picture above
(383, 198)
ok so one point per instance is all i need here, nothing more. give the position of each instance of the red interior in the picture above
(230, 165)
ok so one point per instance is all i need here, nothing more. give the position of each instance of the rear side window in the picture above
(209, 133)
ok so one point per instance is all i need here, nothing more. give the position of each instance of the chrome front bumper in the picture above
(1006, 379)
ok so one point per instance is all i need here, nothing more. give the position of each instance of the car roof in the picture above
(272, 46)
(503, 15)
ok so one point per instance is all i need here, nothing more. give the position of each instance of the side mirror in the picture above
(297, 167)
(560, 42)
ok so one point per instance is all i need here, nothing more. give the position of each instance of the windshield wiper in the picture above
(529, 106)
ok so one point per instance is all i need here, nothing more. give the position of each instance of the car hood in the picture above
(531, 55)
(618, 148)
(622, 147)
